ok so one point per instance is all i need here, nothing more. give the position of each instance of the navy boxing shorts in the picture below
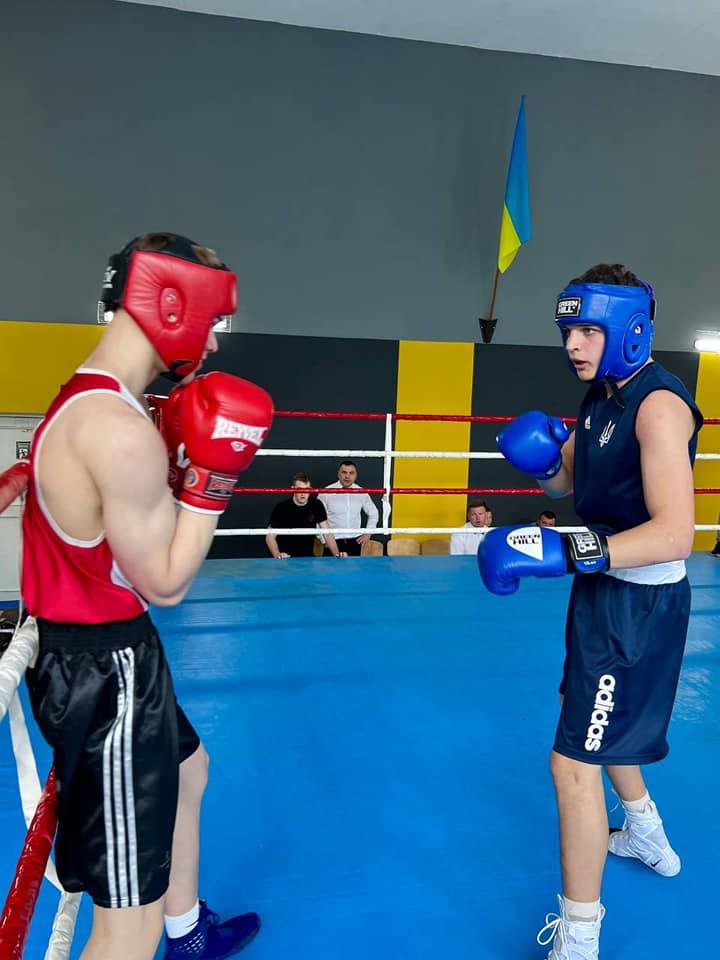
(103, 698)
(624, 648)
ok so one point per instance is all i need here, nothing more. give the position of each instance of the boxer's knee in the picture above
(128, 933)
(573, 775)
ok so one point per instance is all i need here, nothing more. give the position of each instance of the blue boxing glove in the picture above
(533, 443)
(507, 553)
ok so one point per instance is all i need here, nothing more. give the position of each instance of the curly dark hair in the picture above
(610, 273)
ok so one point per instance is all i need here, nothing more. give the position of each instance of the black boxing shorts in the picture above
(103, 698)
(624, 649)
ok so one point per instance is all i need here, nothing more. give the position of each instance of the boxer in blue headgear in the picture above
(629, 465)
(625, 314)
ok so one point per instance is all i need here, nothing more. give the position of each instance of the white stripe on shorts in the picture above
(118, 791)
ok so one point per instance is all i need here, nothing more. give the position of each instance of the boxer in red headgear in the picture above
(174, 290)
(102, 540)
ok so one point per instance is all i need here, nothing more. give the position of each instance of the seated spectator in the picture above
(300, 510)
(546, 519)
(344, 510)
(466, 541)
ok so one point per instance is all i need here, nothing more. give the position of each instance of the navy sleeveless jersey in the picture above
(607, 476)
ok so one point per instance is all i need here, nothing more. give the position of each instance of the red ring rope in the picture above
(336, 415)
(12, 483)
(20, 902)
(488, 491)
(381, 490)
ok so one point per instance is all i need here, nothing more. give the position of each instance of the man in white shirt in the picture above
(344, 510)
(467, 540)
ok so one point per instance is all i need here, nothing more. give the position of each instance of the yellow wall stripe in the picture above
(432, 378)
(37, 358)
(707, 472)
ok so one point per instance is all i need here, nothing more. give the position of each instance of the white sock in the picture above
(583, 912)
(637, 806)
(178, 926)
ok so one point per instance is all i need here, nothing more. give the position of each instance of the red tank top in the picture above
(63, 579)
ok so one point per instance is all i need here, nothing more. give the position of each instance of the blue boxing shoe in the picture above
(211, 940)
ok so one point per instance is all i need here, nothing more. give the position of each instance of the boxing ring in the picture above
(378, 733)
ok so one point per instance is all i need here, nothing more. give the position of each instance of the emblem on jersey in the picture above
(527, 540)
(568, 307)
(607, 433)
(587, 423)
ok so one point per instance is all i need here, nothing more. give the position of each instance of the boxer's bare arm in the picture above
(663, 427)
(561, 484)
(157, 547)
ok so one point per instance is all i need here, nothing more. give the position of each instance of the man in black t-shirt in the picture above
(298, 511)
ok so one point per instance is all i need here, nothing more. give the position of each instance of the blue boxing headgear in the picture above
(625, 315)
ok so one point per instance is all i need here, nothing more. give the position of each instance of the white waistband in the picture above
(654, 573)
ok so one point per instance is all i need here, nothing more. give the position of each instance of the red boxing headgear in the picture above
(172, 296)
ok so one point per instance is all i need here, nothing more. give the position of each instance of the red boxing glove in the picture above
(165, 413)
(156, 408)
(223, 421)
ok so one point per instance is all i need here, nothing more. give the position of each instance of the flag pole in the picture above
(515, 224)
(488, 324)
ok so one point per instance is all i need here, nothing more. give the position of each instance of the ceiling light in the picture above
(708, 343)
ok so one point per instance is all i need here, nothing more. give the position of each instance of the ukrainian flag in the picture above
(515, 228)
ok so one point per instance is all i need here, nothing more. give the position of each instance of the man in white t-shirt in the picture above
(344, 510)
(467, 540)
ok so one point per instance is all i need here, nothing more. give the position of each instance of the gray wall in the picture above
(354, 182)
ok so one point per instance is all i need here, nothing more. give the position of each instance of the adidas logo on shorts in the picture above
(600, 717)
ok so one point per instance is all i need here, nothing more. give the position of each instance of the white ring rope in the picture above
(381, 454)
(19, 655)
(63, 928)
(362, 531)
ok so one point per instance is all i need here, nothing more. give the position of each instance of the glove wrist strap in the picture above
(211, 487)
(586, 552)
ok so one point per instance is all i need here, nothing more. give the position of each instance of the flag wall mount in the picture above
(488, 324)
(487, 328)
